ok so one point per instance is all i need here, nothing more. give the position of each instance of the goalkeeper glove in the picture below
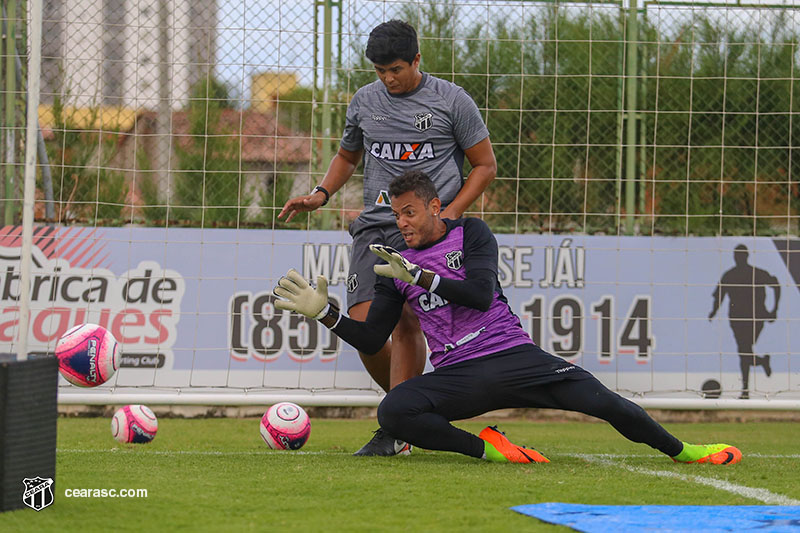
(399, 267)
(297, 295)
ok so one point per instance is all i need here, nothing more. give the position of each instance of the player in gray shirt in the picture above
(405, 120)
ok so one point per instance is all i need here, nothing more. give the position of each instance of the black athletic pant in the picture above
(419, 410)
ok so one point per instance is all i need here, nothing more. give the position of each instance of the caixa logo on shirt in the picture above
(402, 151)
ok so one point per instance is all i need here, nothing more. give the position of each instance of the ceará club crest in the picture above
(423, 121)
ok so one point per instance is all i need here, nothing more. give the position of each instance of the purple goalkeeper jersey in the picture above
(455, 332)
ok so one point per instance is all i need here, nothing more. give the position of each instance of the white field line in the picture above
(632, 455)
(762, 495)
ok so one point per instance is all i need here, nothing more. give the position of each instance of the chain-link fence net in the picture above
(663, 119)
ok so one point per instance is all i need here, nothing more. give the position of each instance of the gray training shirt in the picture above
(426, 129)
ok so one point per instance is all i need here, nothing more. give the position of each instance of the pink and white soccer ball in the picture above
(88, 355)
(134, 423)
(285, 426)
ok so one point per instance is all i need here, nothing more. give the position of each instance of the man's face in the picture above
(416, 221)
(399, 76)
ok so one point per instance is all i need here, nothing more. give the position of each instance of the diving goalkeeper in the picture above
(483, 359)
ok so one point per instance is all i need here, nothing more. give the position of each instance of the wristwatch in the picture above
(324, 191)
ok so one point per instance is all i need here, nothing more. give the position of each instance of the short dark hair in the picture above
(414, 180)
(391, 41)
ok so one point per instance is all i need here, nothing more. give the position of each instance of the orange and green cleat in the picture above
(716, 454)
(499, 449)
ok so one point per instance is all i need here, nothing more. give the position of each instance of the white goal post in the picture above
(362, 400)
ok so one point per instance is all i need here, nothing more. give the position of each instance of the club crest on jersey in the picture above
(455, 259)
(402, 151)
(423, 121)
(383, 199)
(352, 283)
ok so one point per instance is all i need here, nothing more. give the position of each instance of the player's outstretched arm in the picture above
(480, 264)
(340, 170)
(398, 267)
(476, 291)
(296, 294)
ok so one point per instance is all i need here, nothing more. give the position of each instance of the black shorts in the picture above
(513, 378)
(361, 278)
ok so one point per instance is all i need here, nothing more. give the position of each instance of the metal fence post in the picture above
(631, 81)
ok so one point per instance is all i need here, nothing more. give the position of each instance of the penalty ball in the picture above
(285, 426)
(88, 355)
(134, 423)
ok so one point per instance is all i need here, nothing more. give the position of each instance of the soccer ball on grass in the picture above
(285, 426)
(134, 423)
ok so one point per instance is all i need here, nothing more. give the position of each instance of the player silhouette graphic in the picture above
(746, 288)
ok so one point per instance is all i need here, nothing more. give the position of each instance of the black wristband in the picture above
(331, 318)
(426, 278)
(324, 191)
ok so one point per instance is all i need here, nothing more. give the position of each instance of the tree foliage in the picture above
(86, 188)
(209, 185)
(715, 130)
(716, 111)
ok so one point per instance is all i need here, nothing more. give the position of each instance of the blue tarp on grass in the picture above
(666, 518)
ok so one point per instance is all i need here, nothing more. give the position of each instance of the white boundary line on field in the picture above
(632, 455)
(762, 495)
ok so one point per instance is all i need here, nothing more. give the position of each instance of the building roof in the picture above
(262, 138)
(105, 118)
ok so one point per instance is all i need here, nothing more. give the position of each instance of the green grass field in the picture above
(217, 475)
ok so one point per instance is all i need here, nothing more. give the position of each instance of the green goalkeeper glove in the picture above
(399, 267)
(297, 295)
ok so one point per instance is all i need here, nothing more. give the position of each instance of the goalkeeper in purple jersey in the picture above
(405, 120)
(483, 359)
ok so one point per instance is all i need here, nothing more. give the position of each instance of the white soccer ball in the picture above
(134, 423)
(285, 426)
